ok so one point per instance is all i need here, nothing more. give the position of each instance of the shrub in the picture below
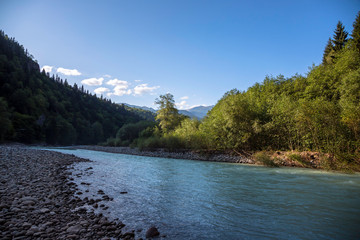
(299, 159)
(263, 158)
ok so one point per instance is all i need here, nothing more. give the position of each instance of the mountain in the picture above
(200, 111)
(140, 107)
(35, 107)
(145, 113)
(195, 112)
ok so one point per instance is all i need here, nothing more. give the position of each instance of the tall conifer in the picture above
(356, 32)
(340, 37)
(328, 52)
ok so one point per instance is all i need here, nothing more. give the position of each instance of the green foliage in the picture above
(328, 52)
(131, 131)
(144, 114)
(5, 122)
(167, 142)
(340, 37)
(189, 134)
(43, 108)
(299, 159)
(317, 112)
(356, 32)
(264, 159)
(167, 115)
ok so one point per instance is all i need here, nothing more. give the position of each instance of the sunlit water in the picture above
(206, 200)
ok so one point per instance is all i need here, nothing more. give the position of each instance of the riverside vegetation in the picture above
(318, 113)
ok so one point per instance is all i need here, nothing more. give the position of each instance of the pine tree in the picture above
(340, 37)
(328, 52)
(356, 32)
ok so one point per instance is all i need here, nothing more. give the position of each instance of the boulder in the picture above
(152, 232)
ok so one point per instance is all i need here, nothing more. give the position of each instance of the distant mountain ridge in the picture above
(198, 112)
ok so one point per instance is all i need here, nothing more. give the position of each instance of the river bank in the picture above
(180, 154)
(286, 159)
(40, 201)
(303, 159)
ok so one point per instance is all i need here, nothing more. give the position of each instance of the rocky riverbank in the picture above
(38, 199)
(180, 154)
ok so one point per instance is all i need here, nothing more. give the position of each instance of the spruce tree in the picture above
(356, 32)
(328, 52)
(340, 37)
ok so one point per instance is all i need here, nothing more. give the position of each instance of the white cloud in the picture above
(143, 88)
(182, 105)
(47, 68)
(107, 76)
(121, 84)
(93, 81)
(68, 72)
(184, 98)
(101, 90)
(138, 80)
(120, 91)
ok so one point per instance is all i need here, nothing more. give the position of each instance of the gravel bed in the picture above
(38, 199)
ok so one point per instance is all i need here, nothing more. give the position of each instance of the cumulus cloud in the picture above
(107, 76)
(144, 88)
(118, 83)
(184, 98)
(101, 90)
(68, 72)
(120, 91)
(93, 81)
(182, 105)
(138, 80)
(47, 68)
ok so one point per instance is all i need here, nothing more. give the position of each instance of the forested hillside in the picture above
(35, 107)
(317, 112)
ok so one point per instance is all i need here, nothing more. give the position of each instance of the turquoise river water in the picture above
(206, 200)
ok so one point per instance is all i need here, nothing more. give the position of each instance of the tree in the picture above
(328, 52)
(167, 114)
(356, 32)
(5, 125)
(340, 37)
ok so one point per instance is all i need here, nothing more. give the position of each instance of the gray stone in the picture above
(152, 232)
(44, 210)
(74, 229)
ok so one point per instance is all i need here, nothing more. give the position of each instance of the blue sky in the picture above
(133, 51)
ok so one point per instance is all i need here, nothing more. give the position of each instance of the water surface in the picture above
(207, 200)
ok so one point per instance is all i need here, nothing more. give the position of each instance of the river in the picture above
(188, 199)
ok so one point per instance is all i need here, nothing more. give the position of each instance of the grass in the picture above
(264, 159)
(299, 159)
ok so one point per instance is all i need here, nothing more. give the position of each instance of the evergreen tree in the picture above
(328, 52)
(356, 32)
(340, 37)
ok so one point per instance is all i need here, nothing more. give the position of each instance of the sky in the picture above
(197, 50)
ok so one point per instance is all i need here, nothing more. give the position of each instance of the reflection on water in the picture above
(204, 200)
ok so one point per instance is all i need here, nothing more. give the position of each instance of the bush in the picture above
(149, 143)
(263, 158)
(172, 143)
(299, 159)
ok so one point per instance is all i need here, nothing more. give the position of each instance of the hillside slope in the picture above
(35, 107)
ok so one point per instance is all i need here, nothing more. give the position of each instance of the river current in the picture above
(188, 199)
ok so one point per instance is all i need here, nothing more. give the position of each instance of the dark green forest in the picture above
(37, 108)
(317, 112)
